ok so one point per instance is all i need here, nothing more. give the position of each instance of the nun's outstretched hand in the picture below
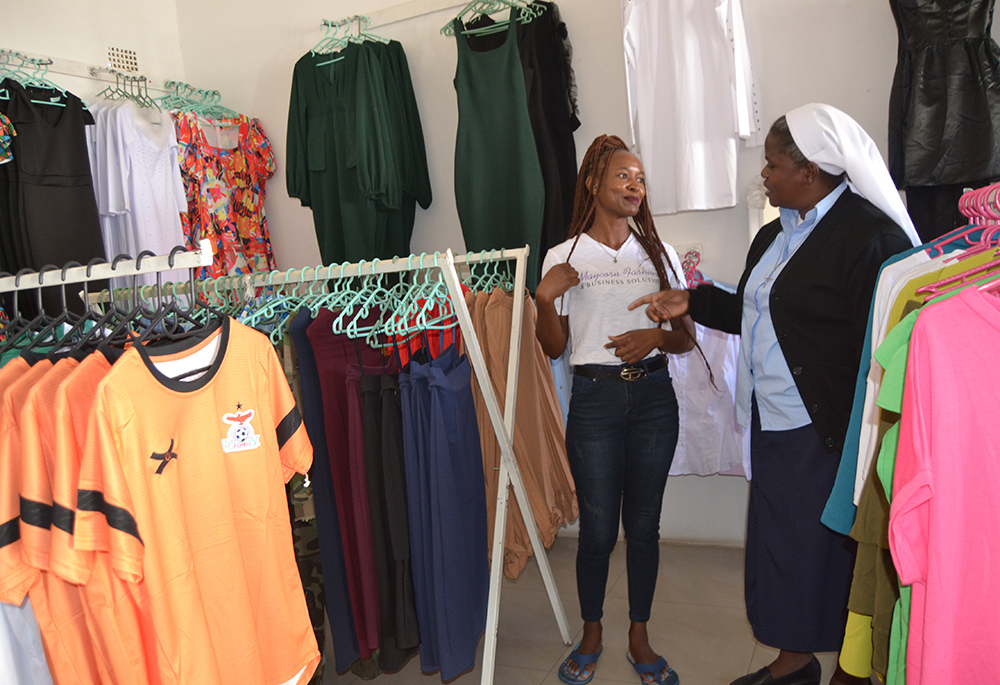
(664, 305)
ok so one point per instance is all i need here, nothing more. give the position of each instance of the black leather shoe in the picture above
(807, 675)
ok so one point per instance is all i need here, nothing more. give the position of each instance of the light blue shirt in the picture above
(762, 368)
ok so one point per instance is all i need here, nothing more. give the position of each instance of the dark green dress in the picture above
(355, 151)
(499, 188)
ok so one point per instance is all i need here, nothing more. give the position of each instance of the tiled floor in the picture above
(698, 623)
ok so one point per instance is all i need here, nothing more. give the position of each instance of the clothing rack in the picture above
(501, 420)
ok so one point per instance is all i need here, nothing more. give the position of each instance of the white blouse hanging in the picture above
(691, 98)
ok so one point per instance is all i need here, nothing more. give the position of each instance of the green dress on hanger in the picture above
(340, 152)
(499, 188)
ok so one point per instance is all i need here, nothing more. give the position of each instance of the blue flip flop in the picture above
(654, 670)
(581, 661)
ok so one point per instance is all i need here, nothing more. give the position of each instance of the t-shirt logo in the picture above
(241, 435)
(164, 458)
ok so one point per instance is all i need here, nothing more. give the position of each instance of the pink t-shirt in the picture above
(944, 524)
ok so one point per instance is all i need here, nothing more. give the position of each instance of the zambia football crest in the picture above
(241, 435)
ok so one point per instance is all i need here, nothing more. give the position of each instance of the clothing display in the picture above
(7, 132)
(944, 107)
(499, 187)
(385, 470)
(338, 598)
(294, 476)
(256, 429)
(447, 510)
(414, 547)
(356, 151)
(687, 116)
(345, 448)
(896, 607)
(225, 164)
(148, 606)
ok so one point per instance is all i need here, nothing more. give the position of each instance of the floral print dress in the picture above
(225, 164)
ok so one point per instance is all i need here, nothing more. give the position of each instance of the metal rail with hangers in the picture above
(120, 266)
(503, 422)
(509, 474)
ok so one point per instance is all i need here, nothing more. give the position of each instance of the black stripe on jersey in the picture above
(36, 514)
(10, 532)
(63, 518)
(118, 518)
(288, 426)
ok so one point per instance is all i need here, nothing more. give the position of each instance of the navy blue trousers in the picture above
(447, 501)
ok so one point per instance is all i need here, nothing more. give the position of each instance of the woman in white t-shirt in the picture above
(623, 425)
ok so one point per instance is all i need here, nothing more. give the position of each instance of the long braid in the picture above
(595, 165)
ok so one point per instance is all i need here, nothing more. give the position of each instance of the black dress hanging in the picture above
(944, 108)
(50, 208)
(546, 58)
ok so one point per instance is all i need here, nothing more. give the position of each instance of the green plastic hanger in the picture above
(331, 43)
(339, 291)
(36, 76)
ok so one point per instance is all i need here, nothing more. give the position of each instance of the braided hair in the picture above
(594, 166)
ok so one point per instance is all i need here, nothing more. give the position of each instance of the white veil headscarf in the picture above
(838, 144)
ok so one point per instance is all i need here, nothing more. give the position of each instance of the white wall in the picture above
(836, 51)
(83, 32)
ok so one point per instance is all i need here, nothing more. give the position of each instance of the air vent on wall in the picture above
(123, 60)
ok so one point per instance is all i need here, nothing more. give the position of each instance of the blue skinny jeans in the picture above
(620, 439)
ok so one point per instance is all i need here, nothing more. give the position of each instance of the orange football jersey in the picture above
(122, 633)
(182, 483)
(15, 576)
(59, 607)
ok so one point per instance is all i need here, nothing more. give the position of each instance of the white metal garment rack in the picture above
(503, 422)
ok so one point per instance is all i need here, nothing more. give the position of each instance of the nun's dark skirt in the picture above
(798, 571)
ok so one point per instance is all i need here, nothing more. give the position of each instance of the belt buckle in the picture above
(631, 373)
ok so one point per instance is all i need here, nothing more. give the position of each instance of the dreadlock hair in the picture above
(594, 166)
